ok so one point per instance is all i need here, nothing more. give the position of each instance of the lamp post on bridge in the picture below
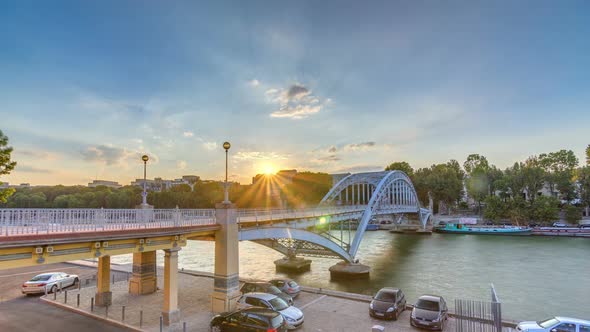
(226, 146)
(145, 159)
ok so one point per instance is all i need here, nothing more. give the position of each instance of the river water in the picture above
(535, 277)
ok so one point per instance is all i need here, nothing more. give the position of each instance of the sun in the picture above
(268, 169)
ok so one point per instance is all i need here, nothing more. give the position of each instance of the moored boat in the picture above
(483, 230)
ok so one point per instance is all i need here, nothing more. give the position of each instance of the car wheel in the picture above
(215, 329)
(54, 289)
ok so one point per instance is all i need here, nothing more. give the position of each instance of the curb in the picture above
(87, 314)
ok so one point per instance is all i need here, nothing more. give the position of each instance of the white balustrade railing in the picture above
(45, 221)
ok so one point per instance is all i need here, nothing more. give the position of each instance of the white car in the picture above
(292, 315)
(555, 324)
(49, 282)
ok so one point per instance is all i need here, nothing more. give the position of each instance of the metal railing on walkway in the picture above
(50, 221)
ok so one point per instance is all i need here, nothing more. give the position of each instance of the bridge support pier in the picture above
(226, 280)
(170, 312)
(293, 264)
(103, 282)
(346, 270)
(144, 279)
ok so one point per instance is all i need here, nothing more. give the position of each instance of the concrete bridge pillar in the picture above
(170, 311)
(144, 279)
(103, 282)
(226, 280)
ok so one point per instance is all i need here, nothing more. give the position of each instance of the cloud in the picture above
(188, 134)
(31, 169)
(35, 154)
(210, 145)
(111, 156)
(295, 102)
(181, 164)
(254, 83)
(332, 149)
(360, 146)
(258, 155)
(359, 168)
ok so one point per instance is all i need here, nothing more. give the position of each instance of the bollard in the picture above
(66, 297)
(113, 278)
(106, 311)
(60, 287)
(45, 291)
(123, 313)
(79, 284)
(183, 326)
(55, 295)
(161, 323)
(92, 305)
(78, 300)
(140, 318)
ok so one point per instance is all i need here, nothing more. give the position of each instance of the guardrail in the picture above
(46, 221)
(49, 221)
(256, 215)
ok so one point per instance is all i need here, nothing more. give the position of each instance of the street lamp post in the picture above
(145, 159)
(226, 146)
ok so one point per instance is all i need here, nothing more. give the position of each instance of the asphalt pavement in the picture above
(20, 313)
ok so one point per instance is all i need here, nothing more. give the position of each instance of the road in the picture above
(28, 313)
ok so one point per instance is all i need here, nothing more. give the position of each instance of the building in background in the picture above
(159, 184)
(109, 184)
(5, 185)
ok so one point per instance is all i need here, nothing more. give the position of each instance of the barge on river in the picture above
(483, 230)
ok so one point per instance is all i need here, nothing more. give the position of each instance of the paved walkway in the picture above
(322, 312)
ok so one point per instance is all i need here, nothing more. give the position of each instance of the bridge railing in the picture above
(45, 221)
(255, 215)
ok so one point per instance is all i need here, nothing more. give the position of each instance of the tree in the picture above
(588, 155)
(583, 180)
(573, 214)
(559, 171)
(533, 177)
(495, 208)
(6, 165)
(544, 209)
(401, 166)
(444, 182)
(479, 177)
(475, 161)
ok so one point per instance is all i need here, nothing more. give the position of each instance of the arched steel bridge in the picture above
(321, 231)
(357, 197)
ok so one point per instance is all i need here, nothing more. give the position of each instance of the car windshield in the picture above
(43, 277)
(278, 304)
(274, 290)
(277, 321)
(427, 305)
(547, 322)
(385, 296)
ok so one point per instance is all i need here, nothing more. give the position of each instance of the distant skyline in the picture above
(86, 88)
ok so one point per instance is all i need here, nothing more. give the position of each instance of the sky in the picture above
(87, 87)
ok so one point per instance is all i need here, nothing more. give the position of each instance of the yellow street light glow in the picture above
(322, 220)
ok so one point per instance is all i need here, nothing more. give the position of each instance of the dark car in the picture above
(389, 303)
(287, 286)
(265, 287)
(430, 312)
(249, 320)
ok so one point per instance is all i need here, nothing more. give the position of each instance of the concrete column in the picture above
(170, 310)
(226, 283)
(144, 278)
(103, 282)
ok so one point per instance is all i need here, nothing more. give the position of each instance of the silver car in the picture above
(555, 324)
(292, 315)
(49, 282)
(288, 286)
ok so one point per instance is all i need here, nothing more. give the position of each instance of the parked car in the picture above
(265, 287)
(559, 224)
(292, 315)
(389, 303)
(49, 282)
(249, 319)
(555, 324)
(534, 225)
(430, 312)
(287, 286)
